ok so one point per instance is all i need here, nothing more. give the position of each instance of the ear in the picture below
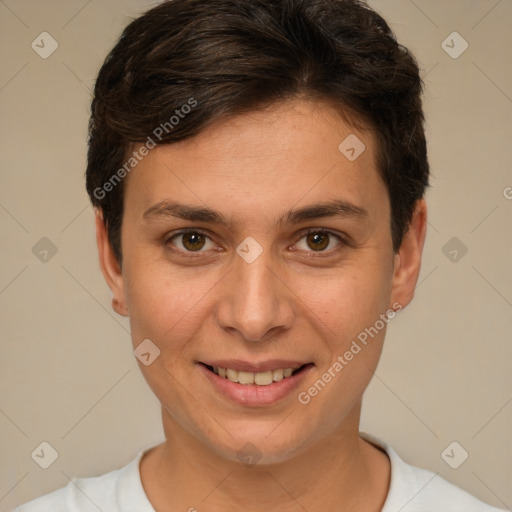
(407, 261)
(110, 267)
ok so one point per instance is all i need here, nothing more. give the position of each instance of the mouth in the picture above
(246, 378)
(255, 384)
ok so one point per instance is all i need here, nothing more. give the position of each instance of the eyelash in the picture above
(317, 254)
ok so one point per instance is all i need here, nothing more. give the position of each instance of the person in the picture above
(258, 172)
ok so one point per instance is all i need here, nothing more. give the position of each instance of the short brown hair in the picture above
(226, 57)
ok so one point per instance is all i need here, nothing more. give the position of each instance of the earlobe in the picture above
(119, 307)
(407, 261)
(110, 267)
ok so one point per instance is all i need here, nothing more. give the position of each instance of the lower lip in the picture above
(252, 394)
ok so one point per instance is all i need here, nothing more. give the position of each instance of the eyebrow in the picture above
(335, 208)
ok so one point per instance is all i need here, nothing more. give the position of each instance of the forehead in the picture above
(297, 152)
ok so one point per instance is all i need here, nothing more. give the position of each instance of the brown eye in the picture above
(318, 241)
(193, 241)
(190, 241)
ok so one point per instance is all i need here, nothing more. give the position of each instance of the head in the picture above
(287, 138)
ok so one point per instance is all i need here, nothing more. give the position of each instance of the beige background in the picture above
(67, 371)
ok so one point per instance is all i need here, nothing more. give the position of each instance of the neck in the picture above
(341, 472)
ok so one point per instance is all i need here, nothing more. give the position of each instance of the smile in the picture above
(256, 378)
(254, 384)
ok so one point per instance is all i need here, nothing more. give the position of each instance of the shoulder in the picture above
(89, 494)
(414, 489)
(79, 495)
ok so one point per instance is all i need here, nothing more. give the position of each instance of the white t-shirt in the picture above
(411, 489)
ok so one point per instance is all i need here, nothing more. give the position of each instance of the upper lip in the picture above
(262, 366)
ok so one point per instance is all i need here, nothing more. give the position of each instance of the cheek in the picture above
(348, 300)
(168, 303)
(168, 310)
(352, 308)
(171, 306)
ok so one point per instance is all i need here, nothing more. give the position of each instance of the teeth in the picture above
(232, 375)
(263, 378)
(260, 379)
(246, 378)
(277, 375)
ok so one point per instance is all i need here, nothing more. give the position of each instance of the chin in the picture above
(258, 443)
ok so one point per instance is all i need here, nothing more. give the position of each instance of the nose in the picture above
(256, 301)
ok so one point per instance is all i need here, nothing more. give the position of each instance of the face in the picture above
(259, 247)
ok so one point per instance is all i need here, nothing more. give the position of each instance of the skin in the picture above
(289, 303)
